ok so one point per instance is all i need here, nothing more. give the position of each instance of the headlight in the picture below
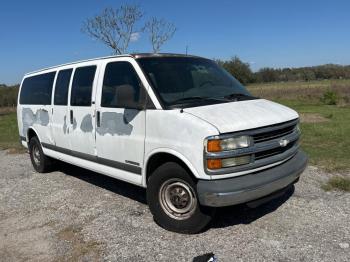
(217, 145)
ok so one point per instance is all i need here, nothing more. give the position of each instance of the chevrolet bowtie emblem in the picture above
(284, 142)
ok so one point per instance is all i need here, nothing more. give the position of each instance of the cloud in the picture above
(135, 36)
(252, 62)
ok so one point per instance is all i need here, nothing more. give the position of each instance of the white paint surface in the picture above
(243, 115)
(181, 134)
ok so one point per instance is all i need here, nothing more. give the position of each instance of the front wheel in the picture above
(173, 201)
(40, 162)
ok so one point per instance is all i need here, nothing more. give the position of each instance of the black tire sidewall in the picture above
(43, 165)
(194, 224)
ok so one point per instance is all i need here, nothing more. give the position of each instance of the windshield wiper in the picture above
(190, 98)
(197, 98)
(186, 100)
(239, 96)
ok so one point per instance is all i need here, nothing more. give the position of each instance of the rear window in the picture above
(37, 90)
(62, 85)
(82, 86)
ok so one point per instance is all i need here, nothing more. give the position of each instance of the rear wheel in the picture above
(40, 162)
(173, 201)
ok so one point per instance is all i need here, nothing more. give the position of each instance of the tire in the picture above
(173, 200)
(40, 162)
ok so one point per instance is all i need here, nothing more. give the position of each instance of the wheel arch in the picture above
(31, 132)
(161, 156)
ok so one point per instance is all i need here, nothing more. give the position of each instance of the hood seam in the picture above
(217, 129)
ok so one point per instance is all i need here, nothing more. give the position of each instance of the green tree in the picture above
(267, 74)
(240, 70)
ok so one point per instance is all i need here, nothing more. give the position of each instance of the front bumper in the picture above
(245, 188)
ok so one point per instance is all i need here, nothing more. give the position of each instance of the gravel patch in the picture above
(77, 215)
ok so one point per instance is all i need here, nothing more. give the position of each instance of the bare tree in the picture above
(159, 31)
(114, 27)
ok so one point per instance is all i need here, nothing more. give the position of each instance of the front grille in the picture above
(274, 151)
(276, 133)
(272, 134)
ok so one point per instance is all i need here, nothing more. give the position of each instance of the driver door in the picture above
(120, 120)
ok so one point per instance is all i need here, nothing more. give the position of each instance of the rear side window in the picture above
(121, 86)
(62, 86)
(82, 86)
(37, 90)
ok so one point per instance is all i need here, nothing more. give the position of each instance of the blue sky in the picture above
(36, 34)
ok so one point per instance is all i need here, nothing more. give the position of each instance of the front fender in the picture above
(170, 151)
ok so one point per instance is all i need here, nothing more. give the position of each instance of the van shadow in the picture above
(225, 216)
(242, 214)
(111, 184)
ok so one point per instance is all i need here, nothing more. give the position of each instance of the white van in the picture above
(178, 125)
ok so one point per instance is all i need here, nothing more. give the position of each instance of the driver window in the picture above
(122, 87)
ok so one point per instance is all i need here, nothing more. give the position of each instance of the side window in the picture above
(62, 86)
(37, 90)
(82, 86)
(121, 87)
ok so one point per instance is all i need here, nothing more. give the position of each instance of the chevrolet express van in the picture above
(178, 125)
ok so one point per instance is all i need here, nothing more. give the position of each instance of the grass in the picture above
(9, 137)
(337, 183)
(307, 92)
(309, 84)
(326, 142)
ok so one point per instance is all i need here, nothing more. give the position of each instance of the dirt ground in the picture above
(77, 215)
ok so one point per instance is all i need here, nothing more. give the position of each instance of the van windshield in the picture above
(191, 81)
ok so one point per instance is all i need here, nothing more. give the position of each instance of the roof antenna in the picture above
(186, 49)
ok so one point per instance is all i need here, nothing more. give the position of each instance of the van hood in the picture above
(243, 115)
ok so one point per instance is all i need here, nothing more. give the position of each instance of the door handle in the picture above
(71, 117)
(98, 118)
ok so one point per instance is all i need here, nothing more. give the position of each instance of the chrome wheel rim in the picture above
(36, 155)
(177, 199)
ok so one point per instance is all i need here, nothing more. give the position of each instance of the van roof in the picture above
(134, 55)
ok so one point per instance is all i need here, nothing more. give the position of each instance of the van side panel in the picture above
(59, 124)
(96, 167)
(81, 115)
(120, 133)
(35, 116)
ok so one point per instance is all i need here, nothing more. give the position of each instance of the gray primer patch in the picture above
(74, 123)
(86, 124)
(41, 117)
(65, 125)
(117, 123)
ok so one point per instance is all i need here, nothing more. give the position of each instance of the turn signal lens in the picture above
(214, 163)
(214, 146)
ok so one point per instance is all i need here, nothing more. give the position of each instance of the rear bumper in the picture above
(242, 189)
